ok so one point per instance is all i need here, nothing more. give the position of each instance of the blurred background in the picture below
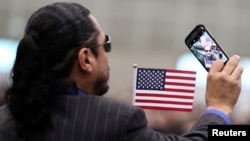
(149, 33)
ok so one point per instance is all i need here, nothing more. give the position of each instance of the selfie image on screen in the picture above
(207, 51)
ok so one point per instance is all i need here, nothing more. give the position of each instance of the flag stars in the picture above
(151, 79)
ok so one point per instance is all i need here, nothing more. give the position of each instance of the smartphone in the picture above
(204, 47)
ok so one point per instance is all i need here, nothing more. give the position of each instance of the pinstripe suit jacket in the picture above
(95, 118)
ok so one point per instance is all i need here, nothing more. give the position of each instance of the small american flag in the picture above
(164, 89)
(205, 40)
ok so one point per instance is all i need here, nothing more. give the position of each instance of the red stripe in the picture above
(179, 90)
(166, 108)
(180, 71)
(163, 102)
(165, 95)
(180, 84)
(180, 77)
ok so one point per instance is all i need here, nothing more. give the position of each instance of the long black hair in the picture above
(45, 55)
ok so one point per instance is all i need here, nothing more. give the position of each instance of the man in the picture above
(209, 57)
(61, 72)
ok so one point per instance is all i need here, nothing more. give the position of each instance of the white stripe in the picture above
(180, 87)
(163, 99)
(164, 105)
(180, 81)
(164, 92)
(180, 74)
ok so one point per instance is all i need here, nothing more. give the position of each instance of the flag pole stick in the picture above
(134, 82)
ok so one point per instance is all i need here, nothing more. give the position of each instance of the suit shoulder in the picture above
(114, 102)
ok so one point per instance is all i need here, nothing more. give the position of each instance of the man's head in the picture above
(207, 50)
(64, 42)
(63, 47)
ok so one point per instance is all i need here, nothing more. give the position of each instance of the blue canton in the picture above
(150, 79)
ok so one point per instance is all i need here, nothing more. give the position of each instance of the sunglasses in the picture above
(106, 44)
(207, 50)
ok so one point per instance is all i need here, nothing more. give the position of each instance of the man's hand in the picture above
(224, 85)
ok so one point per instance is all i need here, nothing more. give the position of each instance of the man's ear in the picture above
(85, 60)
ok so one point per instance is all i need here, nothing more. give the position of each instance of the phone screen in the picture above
(204, 47)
